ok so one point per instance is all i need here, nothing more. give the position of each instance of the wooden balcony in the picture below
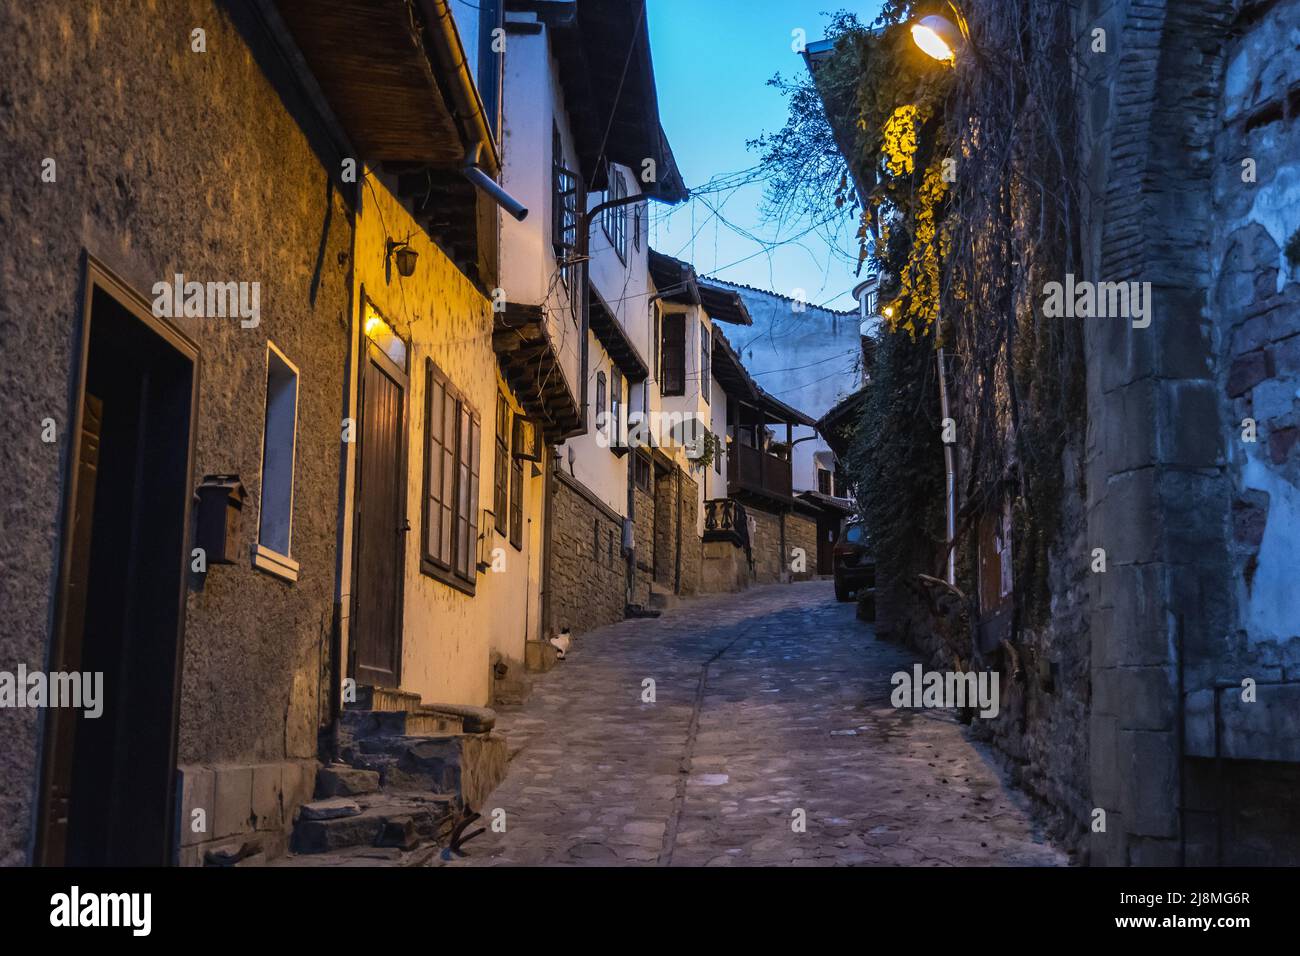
(756, 472)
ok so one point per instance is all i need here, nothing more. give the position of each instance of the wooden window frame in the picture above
(266, 558)
(675, 349)
(566, 198)
(463, 541)
(642, 462)
(706, 360)
(614, 220)
(616, 410)
(501, 466)
(600, 415)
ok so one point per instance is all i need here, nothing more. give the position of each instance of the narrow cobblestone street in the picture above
(765, 705)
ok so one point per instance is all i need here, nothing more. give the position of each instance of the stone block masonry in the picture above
(588, 571)
(801, 533)
(765, 543)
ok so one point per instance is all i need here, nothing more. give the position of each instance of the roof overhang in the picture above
(831, 426)
(724, 305)
(603, 52)
(829, 503)
(395, 74)
(610, 334)
(674, 279)
(531, 365)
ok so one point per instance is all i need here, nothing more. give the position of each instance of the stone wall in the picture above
(588, 570)
(170, 161)
(644, 521)
(691, 557)
(1198, 520)
(665, 524)
(801, 532)
(765, 544)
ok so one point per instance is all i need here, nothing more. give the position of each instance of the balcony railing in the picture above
(725, 520)
(749, 469)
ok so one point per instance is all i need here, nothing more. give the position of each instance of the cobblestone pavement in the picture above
(766, 704)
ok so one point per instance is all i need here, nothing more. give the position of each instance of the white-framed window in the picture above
(274, 549)
(614, 219)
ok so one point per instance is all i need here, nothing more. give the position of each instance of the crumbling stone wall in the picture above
(588, 571)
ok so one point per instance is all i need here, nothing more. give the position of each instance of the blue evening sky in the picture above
(712, 61)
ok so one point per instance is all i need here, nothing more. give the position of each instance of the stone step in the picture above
(473, 720)
(341, 780)
(403, 820)
(356, 724)
(383, 698)
(465, 767)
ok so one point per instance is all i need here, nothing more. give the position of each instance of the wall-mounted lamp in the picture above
(937, 37)
(943, 38)
(404, 255)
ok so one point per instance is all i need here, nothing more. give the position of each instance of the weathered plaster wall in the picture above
(448, 635)
(169, 161)
(533, 100)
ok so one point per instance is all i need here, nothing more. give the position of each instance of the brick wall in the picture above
(588, 571)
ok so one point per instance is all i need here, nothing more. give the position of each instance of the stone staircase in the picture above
(405, 774)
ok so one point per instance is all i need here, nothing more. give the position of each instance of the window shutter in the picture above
(448, 498)
(600, 418)
(517, 503)
(674, 354)
(472, 547)
(435, 396)
(501, 475)
(706, 360)
(461, 549)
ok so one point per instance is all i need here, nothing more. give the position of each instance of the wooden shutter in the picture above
(435, 397)
(674, 354)
(501, 474)
(472, 556)
(706, 361)
(600, 419)
(517, 503)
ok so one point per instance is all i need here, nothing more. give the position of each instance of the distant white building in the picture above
(809, 357)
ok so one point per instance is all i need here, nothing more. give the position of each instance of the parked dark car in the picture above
(854, 564)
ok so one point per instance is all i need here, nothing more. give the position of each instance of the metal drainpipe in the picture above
(950, 477)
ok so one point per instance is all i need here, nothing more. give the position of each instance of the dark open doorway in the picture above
(108, 782)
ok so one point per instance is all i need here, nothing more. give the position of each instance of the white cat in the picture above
(561, 643)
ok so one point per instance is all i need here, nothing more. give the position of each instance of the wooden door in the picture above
(380, 522)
